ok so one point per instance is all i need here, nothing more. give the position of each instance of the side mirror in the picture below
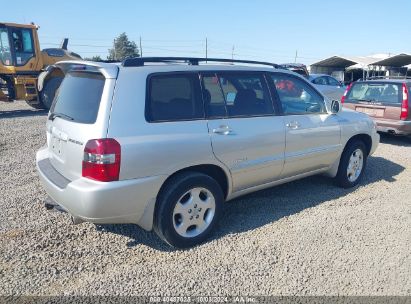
(335, 106)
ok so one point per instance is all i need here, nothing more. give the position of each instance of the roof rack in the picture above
(140, 61)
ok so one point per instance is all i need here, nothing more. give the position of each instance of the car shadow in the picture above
(266, 206)
(22, 113)
(389, 139)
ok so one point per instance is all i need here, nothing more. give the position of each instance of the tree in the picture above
(123, 48)
(94, 58)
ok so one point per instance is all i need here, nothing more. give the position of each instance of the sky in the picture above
(305, 31)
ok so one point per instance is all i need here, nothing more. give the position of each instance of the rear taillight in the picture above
(346, 92)
(404, 104)
(101, 160)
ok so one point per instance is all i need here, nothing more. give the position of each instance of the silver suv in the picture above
(164, 142)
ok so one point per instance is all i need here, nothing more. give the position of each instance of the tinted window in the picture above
(79, 96)
(23, 45)
(376, 92)
(296, 96)
(174, 97)
(333, 82)
(236, 95)
(320, 81)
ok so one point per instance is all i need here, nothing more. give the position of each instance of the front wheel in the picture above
(187, 209)
(352, 165)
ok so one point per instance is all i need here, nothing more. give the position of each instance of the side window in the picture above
(174, 97)
(320, 81)
(244, 94)
(333, 82)
(296, 96)
(5, 52)
(213, 96)
(23, 45)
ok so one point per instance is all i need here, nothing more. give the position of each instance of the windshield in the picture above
(78, 98)
(375, 92)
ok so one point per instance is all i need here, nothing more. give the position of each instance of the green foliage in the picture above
(123, 48)
(94, 58)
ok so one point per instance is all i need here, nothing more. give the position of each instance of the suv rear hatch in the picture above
(80, 112)
(381, 100)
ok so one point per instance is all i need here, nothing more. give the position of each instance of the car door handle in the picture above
(223, 130)
(293, 125)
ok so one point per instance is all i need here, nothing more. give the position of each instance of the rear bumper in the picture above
(127, 201)
(399, 127)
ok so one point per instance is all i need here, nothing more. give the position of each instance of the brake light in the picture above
(346, 92)
(404, 104)
(101, 160)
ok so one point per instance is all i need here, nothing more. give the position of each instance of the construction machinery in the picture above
(26, 71)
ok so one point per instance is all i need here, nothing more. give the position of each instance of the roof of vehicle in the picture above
(312, 76)
(19, 25)
(110, 70)
(386, 80)
(293, 65)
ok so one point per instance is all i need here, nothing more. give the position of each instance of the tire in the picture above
(49, 91)
(355, 154)
(37, 106)
(185, 214)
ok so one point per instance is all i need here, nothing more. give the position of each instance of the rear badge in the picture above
(75, 141)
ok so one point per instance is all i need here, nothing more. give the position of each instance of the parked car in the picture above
(165, 145)
(387, 101)
(328, 85)
(298, 68)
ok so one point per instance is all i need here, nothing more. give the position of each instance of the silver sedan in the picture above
(329, 86)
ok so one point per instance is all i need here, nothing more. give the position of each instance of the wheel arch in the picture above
(212, 170)
(363, 137)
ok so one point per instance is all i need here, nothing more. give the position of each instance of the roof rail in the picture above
(140, 61)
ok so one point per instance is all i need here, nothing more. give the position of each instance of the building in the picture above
(352, 68)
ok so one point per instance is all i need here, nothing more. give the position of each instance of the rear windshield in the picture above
(375, 92)
(78, 98)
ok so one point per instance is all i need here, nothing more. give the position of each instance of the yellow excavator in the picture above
(26, 71)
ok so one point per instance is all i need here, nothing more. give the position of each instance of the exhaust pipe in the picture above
(49, 204)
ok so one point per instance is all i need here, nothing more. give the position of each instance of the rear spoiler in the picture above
(109, 70)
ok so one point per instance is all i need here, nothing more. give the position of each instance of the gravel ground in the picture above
(305, 237)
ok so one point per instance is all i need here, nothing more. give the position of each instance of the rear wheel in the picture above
(352, 164)
(49, 91)
(187, 209)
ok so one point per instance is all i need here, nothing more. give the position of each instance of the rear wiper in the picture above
(54, 115)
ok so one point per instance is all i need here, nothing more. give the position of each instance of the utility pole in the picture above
(232, 53)
(141, 49)
(206, 49)
(295, 58)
